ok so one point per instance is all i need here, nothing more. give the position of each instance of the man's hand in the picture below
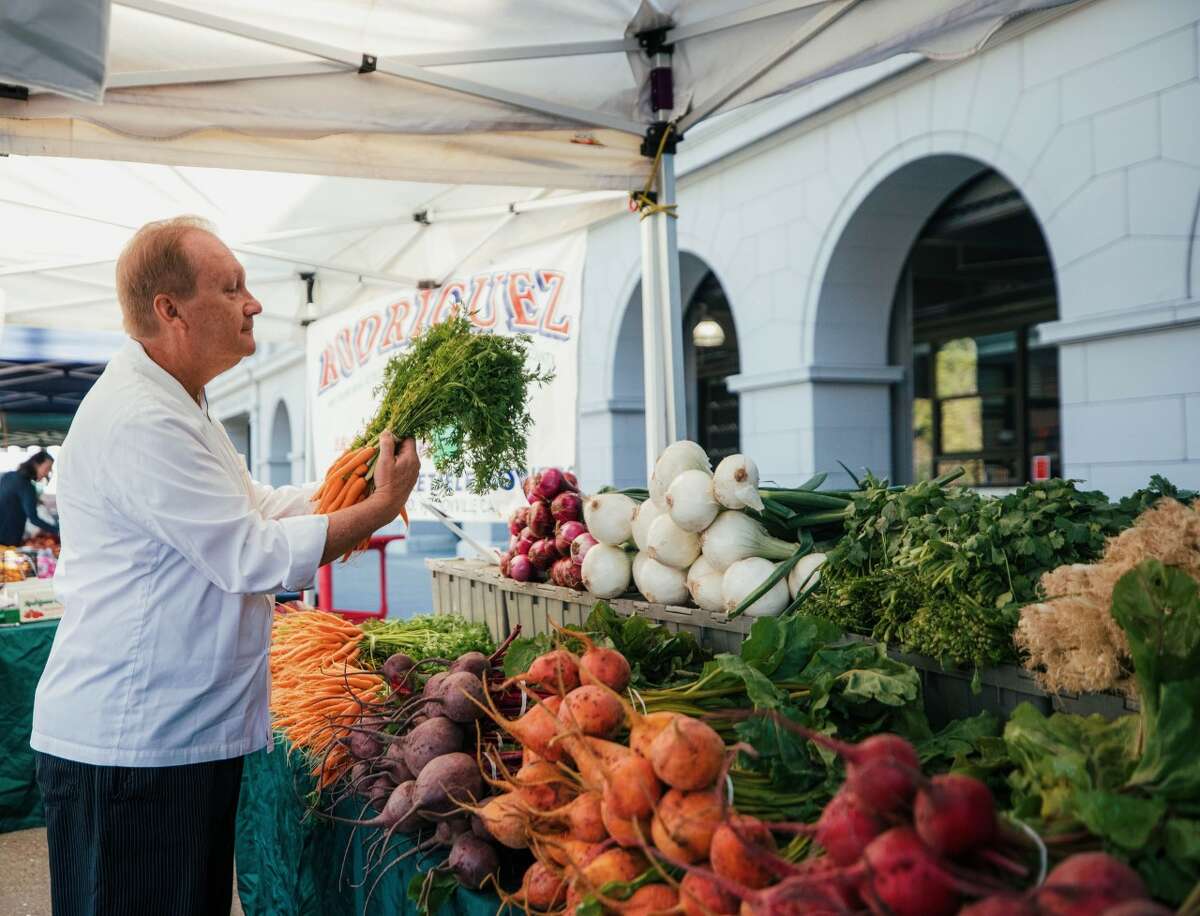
(395, 472)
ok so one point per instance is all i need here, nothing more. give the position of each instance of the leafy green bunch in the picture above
(945, 571)
(1133, 783)
(464, 392)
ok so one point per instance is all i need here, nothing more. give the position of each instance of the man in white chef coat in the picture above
(157, 684)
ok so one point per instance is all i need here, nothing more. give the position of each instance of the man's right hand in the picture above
(396, 472)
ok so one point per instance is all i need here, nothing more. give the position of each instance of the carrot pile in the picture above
(318, 688)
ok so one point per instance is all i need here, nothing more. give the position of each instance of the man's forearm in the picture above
(349, 526)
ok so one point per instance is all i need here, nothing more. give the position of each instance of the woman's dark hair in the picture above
(28, 467)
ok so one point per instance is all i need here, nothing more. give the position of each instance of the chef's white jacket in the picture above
(170, 553)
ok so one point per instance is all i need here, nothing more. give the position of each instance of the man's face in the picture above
(220, 315)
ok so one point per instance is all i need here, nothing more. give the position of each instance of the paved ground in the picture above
(25, 888)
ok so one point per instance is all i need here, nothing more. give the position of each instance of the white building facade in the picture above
(990, 262)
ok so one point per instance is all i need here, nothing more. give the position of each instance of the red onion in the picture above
(549, 484)
(526, 534)
(567, 507)
(529, 486)
(541, 521)
(520, 568)
(565, 535)
(513, 540)
(567, 574)
(505, 559)
(580, 546)
(518, 520)
(543, 553)
(523, 545)
(570, 482)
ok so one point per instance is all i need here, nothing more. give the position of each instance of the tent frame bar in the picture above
(823, 19)
(743, 17)
(361, 61)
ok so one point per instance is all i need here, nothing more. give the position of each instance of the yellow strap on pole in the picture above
(641, 200)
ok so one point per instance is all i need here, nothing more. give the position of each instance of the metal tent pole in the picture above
(662, 310)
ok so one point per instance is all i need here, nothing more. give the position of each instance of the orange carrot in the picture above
(354, 491)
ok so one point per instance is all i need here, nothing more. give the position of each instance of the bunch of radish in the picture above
(893, 841)
(417, 754)
(548, 538)
(695, 544)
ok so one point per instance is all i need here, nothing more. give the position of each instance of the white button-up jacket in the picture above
(170, 553)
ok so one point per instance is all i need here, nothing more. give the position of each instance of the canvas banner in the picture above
(535, 291)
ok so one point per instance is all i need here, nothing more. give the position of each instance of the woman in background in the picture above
(19, 499)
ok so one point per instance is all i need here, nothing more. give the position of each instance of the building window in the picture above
(982, 389)
(711, 356)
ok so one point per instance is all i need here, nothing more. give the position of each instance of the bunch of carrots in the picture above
(318, 689)
(347, 483)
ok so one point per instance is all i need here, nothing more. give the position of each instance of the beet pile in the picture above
(548, 537)
(417, 760)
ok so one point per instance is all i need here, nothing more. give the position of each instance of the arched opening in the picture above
(713, 413)
(238, 429)
(710, 358)
(980, 389)
(280, 460)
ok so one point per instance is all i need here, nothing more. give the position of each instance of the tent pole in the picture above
(652, 327)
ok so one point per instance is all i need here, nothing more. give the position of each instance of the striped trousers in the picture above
(140, 841)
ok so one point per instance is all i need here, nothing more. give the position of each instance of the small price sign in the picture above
(1041, 468)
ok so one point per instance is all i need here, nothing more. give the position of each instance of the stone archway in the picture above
(850, 376)
(628, 382)
(280, 461)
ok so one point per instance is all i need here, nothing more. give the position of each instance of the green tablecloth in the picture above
(23, 653)
(288, 864)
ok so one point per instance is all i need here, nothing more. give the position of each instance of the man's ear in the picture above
(166, 309)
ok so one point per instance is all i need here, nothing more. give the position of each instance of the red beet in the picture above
(954, 814)
(565, 535)
(567, 507)
(549, 484)
(1089, 882)
(999, 905)
(905, 876)
(518, 520)
(845, 829)
(541, 522)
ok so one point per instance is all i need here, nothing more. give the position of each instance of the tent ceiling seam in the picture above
(356, 60)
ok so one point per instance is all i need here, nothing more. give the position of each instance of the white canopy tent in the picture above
(496, 94)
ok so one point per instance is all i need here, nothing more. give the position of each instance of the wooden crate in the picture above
(476, 590)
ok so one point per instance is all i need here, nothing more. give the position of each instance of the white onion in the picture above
(676, 458)
(734, 536)
(809, 564)
(735, 483)
(704, 584)
(606, 571)
(690, 500)
(743, 577)
(609, 517)
(668, 543)
(643, 518)
(659, 584)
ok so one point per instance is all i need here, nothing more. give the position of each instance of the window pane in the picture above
(922, 455)
(995, 472)
(971, 365)
(956, 361)
(962, 425)
(921, 377)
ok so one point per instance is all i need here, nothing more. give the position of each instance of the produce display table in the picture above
(23, 653)
(288, 861)
(476, 590)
